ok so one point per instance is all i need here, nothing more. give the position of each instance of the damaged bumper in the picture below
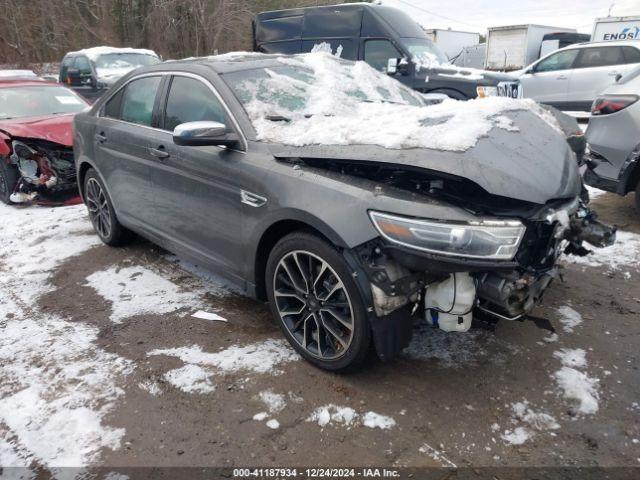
(44, 168)
(447, 289)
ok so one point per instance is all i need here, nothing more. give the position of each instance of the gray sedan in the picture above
(613, 134)
(340, 196)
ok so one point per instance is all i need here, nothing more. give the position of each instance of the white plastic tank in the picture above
(449, 304)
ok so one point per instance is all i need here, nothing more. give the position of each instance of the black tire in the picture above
(9, 177)
(335, 295)
(101, 212)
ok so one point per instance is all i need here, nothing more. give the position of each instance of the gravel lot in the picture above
(103, 364)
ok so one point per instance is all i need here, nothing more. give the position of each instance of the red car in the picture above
(36, 139)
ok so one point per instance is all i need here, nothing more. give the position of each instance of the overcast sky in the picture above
(478, 15)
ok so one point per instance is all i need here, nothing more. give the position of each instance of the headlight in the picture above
(484, 92)
(490, 239)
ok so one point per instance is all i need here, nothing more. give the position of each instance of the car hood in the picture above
(533, 164)
(54, 128)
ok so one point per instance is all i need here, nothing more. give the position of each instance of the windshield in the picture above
(424, 51)
(125, 60)
(34, 101)
(325, 86)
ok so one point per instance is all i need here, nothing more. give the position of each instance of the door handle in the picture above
(613, 74)
(561, 77)
(159, 152)
(100, 137)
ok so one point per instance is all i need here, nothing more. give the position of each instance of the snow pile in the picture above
(190, 379)
(622, 254)
(274, 401)
(533, 422)
(317, 98)
(137, 291)
(332, 414)
(57, 385)
(195, 376)
(569, 318)
(150, 386)
(94, 52)
(575, 384)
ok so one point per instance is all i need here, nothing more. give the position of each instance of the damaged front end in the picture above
(497, 266)
(46, 170)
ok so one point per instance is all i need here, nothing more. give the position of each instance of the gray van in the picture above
(384, 37)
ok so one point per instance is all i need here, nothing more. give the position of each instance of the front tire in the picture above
(101, 212)
(9, 177)
(317, 303)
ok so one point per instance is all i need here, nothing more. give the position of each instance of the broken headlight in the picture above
(490, 239)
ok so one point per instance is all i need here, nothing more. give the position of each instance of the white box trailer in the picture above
(616, 28)
(515, 47)
(451, 42)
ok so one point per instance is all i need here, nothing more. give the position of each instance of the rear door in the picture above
(595, 69)
(548, 80)
(124, 136)
(198, 189)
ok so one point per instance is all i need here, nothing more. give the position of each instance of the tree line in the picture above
(33, 31)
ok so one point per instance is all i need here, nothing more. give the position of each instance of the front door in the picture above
(197, 190)
(548, 80)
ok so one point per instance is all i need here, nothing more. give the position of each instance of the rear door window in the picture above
(190, 100)
(558, 61)
(600, 57)
(139, 99)
(378, 52)
(83, 65)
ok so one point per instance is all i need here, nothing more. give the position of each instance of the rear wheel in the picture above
(102, 213)
(317, 303)
(9, 177)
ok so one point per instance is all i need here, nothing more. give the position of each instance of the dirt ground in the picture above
(454, 397)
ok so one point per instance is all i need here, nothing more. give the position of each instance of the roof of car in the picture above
(610, 43)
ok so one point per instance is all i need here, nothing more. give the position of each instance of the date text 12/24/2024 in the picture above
(320, 473)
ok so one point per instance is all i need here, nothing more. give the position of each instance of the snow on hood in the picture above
(54, 128)
(319, 99)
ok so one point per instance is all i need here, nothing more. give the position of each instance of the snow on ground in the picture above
(528, 423)
(56, 385)
(577, 385)
(275, 402)
(150, 386)
(138, 290)
(569, 318)
(327, 101)
(624, 253)
(436, 455)
(331, 414)
(195, 376)
(594, 192)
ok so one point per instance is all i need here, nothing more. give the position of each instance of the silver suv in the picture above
(571, 78)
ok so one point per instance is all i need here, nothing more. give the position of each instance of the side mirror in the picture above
(618, 77)
(198, 134)
(397, 65)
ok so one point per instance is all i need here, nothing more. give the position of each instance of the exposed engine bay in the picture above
(46, 169)
(448, 290)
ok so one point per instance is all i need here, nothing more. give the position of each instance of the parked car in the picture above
(378, 35)
(92, 71)
(339, 195)
(613, 136)
(36, 155)
(571, 78)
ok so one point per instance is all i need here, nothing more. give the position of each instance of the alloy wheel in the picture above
(98, 206)
(314, 304)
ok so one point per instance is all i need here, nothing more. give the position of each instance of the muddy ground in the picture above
(451, 396)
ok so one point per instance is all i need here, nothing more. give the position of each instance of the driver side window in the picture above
(378, 52)
(190, 100)
(558, 61)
